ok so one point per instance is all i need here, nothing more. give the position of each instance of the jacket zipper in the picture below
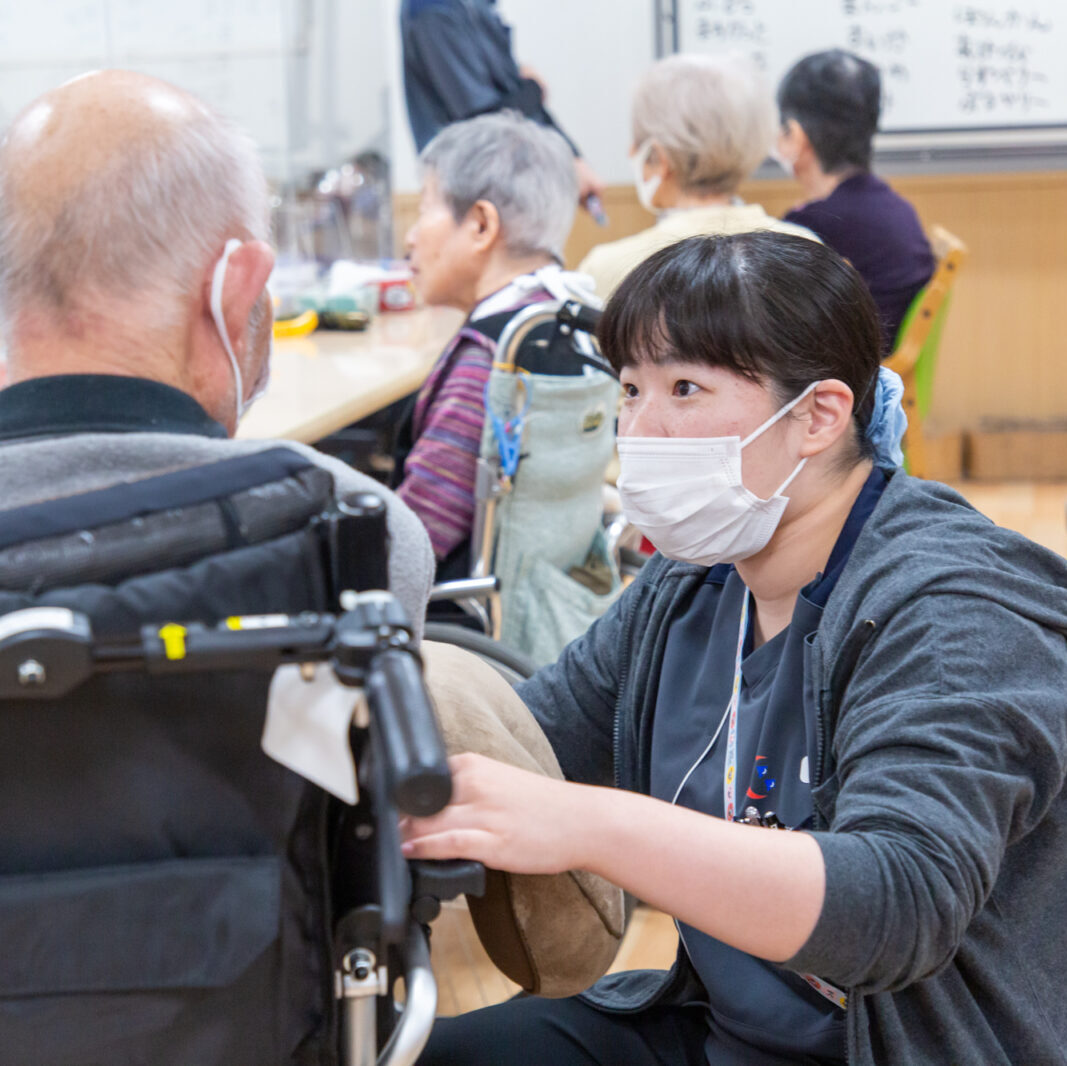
(846, 664)
(616, 740)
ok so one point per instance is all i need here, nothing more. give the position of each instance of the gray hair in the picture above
(140, 230)
(526, 171)
(713, 116)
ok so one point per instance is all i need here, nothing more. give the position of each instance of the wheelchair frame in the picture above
(46, 652)
(479, 595)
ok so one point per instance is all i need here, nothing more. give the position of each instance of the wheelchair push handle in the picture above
(580, 316)
(46, 653)
(416, 763)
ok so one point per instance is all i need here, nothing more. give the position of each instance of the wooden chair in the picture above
(918, 340)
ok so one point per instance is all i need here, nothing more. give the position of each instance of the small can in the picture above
(396, 292)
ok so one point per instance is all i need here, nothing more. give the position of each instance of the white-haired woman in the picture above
(498, 199)
(701, 125)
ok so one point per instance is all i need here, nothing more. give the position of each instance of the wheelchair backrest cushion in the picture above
(568, 439)
(163, 883)
(550, 520)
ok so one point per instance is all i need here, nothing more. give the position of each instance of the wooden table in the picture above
(326, 380)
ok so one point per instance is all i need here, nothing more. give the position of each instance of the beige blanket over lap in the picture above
(552, 934)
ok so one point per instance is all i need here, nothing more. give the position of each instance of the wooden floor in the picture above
(1038, 510)
(467, 979)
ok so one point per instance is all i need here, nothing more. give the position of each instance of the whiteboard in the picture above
(237, 55)
(951, 67)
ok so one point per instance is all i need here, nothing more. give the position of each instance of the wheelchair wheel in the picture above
(513, 666)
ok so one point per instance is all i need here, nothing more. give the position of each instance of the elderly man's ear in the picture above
(247, 271)
(482, 225)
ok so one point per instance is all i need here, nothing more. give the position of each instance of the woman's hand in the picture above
(589, 182)
(507, 818)
(759, 890)
(531, 75)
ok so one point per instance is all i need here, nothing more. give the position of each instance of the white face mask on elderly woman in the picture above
(217, 281)
(686, 495)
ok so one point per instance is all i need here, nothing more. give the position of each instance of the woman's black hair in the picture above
(836, 97)
(775, 308)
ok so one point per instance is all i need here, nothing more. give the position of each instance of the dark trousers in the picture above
(567, 1032)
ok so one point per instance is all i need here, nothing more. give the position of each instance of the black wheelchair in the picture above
(169, 894)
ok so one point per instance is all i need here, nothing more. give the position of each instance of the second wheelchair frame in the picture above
(480, 594)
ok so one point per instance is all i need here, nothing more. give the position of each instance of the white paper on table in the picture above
(306, 728)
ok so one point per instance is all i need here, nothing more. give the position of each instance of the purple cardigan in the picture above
(879, 233)
(439, 472)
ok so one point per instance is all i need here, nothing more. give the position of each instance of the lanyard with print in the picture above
(729, 781)
(729, 771)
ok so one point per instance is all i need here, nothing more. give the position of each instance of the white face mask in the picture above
(777, 156)
(217, 282)
(685, 494)
(646, 188)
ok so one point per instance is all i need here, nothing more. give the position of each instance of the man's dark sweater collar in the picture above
(99, 403)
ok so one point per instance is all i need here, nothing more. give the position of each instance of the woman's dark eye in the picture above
(629, 391)
(685, 388)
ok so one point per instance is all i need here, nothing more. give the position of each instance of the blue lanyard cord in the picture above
(508, 431)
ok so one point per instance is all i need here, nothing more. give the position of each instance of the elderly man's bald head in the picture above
(119, 188)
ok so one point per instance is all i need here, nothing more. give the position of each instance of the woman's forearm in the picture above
(759, 890)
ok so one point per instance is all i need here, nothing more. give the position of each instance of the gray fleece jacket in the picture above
(939, 678)
(49, 467)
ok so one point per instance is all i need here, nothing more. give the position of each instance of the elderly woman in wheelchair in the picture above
(503, 451)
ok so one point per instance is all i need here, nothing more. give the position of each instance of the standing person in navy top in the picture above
(829, 104)
(458, 63)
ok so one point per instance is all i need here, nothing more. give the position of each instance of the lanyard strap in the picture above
(729, 770)
(828, 991)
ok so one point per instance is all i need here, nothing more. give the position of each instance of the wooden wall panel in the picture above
(1003, 353)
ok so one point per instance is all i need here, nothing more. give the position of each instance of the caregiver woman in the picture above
(824, 644)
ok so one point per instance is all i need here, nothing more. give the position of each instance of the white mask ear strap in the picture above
(781, 413)
(217, 282)
(785, 484)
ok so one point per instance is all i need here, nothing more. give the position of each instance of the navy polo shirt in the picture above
(758, 1011)
(458, 63)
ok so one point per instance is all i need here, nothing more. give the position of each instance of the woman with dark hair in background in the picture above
(822, 644)
(829, 104)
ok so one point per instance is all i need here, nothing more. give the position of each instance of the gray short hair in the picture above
(713, 116)
(140, 230)
(525, 170)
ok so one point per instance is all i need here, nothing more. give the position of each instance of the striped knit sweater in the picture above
(438, 483)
